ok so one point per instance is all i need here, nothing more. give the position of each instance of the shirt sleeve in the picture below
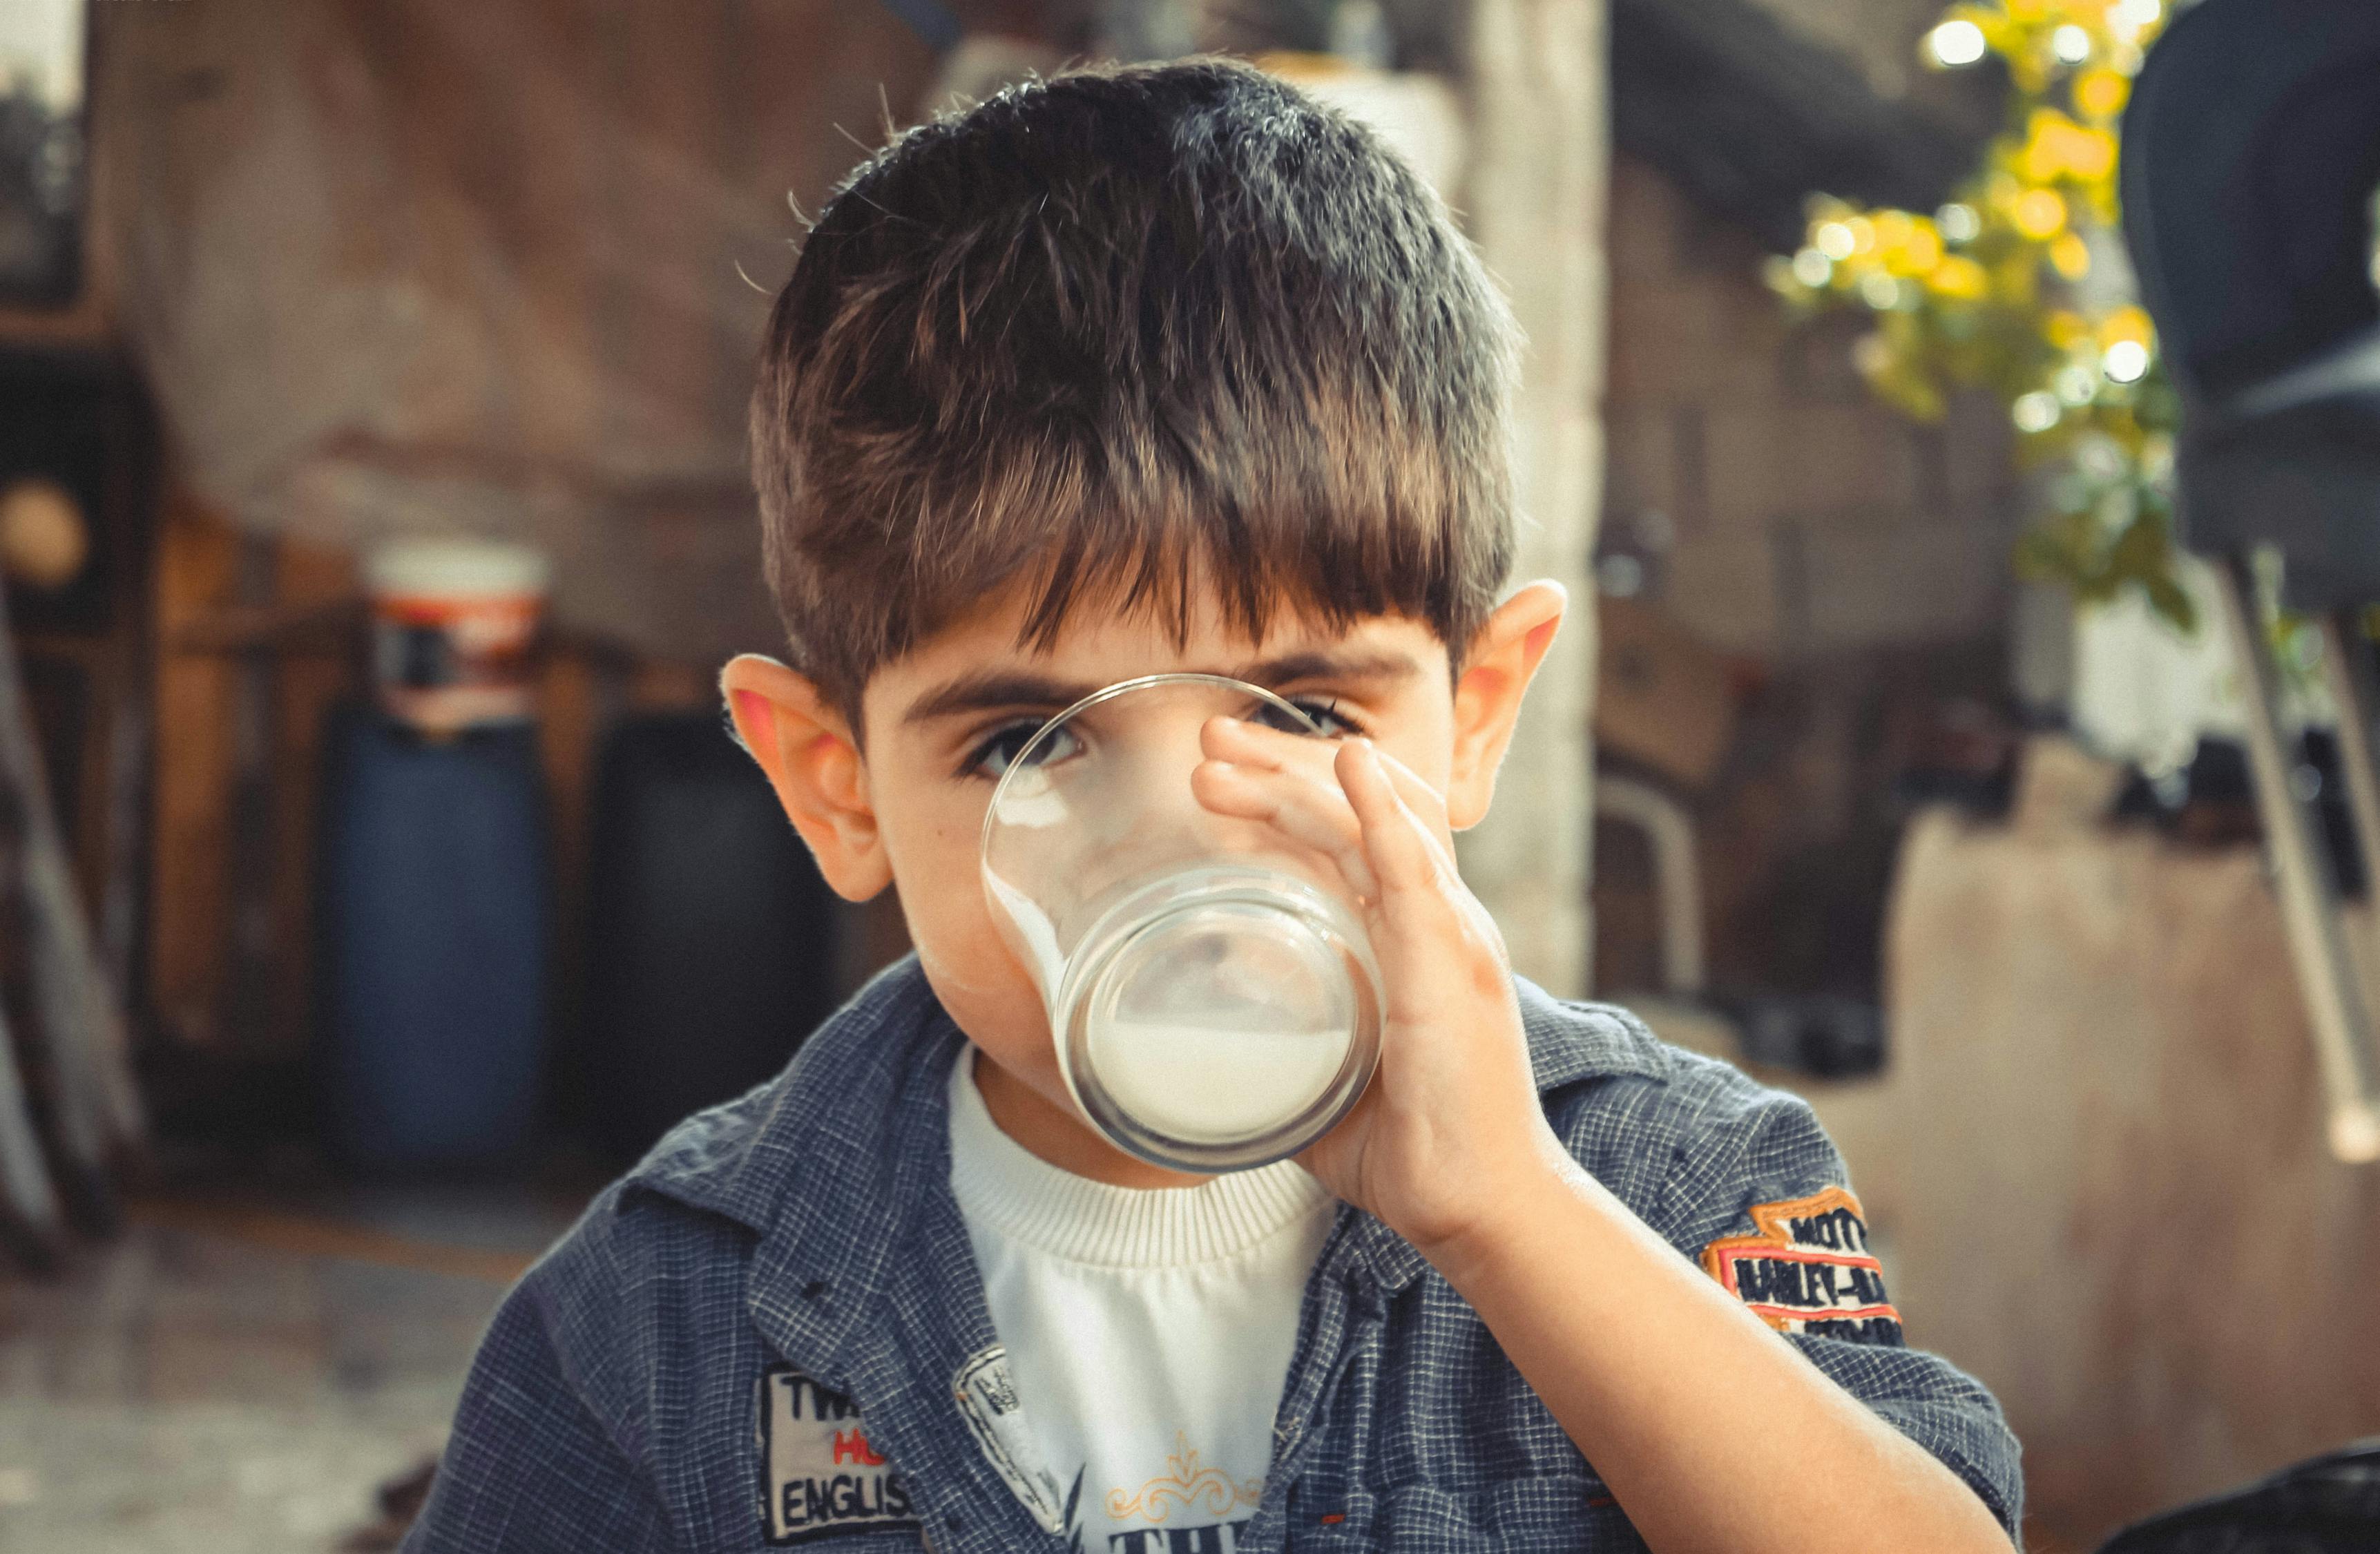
(529, 1469)
(1760, 1197)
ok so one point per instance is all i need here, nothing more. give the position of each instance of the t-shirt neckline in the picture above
(1006, 1189)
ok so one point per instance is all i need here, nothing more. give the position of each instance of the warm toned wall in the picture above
(2096, 1166)
(502, 268)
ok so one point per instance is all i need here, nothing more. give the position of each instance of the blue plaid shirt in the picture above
(692, 1367)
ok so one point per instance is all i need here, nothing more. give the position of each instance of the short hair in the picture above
(1133, 333)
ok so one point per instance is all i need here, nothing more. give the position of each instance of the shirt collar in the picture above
(828, 1162)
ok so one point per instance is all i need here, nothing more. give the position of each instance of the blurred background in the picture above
(377, 878)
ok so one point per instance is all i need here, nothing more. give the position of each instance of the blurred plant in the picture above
(2021, 286)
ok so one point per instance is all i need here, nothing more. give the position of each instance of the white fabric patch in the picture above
(820, 1475)
(987, 1402)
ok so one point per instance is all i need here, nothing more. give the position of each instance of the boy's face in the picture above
(941, 722)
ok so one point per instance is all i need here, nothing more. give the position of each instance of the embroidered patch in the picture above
(819, 1474)
(994, 1415)
(1806, 1270)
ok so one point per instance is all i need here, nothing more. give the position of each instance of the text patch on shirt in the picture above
(819, 1474)
(1806, 1270)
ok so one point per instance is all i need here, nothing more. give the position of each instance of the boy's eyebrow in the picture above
(985, 690)
(1321, 664)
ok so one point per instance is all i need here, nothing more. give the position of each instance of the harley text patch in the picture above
(818, 1476)
(1806, 1270)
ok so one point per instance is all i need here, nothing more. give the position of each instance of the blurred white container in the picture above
(453, 622)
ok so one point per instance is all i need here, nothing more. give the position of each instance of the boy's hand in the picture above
(1711, 1429)
(1450, 1129)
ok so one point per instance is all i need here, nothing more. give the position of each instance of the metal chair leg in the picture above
(2302, 878)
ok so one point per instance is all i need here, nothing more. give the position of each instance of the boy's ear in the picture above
(814, 763)
(1503, 655)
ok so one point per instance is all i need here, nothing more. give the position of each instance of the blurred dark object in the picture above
(1794, 838)
(64, 434)
(1958, 750)
(1824, 1038)
(2251, 151)
(435, 921)
(2327, 1505)
(1631, 554)
(41, 177)
(398, 1500)
(1664, 699)
(2209, 803)
(713, 941)
(1749, 114)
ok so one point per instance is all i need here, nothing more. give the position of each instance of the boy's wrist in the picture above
(1544, 1194)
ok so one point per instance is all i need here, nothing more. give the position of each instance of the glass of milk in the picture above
(1210, 989)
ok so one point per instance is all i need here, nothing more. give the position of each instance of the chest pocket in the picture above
(1571, 1513)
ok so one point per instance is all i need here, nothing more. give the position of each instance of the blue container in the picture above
(435, 901)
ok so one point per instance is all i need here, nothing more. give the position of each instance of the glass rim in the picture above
(1110, 693)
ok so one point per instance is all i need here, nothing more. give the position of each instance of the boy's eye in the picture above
(999, 750)
(1334, 724)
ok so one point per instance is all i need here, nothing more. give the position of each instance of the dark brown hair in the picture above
(1135, 333)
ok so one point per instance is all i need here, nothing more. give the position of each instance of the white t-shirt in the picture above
(1148, 1330)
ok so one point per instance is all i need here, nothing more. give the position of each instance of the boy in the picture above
(1126, 373)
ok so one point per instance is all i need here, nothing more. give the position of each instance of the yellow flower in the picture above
(2056, 147)
(1917, 253)
(2091, 154)
(2126, 323)
(2039, 214)
(1958, 276)
(2070, 256)
(2062, 327)
(2101, 93)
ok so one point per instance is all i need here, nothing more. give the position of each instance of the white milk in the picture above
(1209, 1086)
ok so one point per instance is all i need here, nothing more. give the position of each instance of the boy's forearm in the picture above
(1713, 1432)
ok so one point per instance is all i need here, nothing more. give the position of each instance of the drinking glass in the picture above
(1210, 989)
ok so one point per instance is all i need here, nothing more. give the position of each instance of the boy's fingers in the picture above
(1403, 858)
(1260, 774)
(1419, 796)
(1236, 739)
(1302, 809)
(1247, 744)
